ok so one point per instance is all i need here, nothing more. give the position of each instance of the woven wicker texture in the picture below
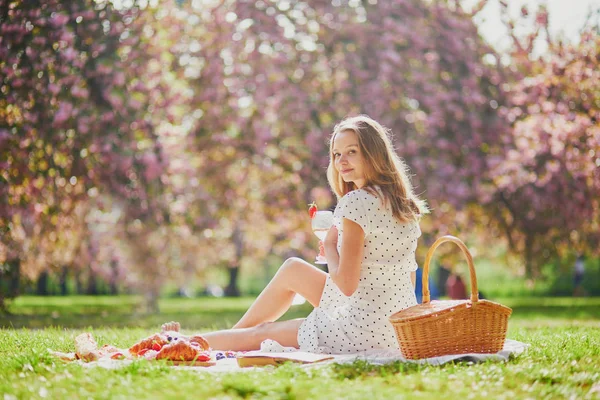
(437, 328)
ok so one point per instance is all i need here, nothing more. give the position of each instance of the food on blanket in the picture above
(64, 356)
(169, 344)
(149, 354)
(226, 354)
(312, 210)
(108, 349)
(154, 342)
(85, 344)
(201, 341)
(182, 350)
(159, 340)
(86, 347)
(118, 356)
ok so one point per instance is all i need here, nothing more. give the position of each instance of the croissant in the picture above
(203, 343)
(155, 342)
(171, 336)
(180, 350)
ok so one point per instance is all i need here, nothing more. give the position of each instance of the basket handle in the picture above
(459, 243)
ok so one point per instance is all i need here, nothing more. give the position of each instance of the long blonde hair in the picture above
(383, 168)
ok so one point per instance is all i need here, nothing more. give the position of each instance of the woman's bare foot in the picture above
(171, 326)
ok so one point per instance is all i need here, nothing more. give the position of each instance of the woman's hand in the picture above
(321, 249)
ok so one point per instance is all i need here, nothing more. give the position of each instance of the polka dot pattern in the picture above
(343, 324)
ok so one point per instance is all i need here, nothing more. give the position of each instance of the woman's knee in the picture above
(261, 331)
(291, 264)
(283, 332)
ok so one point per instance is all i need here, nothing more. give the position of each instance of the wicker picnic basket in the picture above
(437, 328)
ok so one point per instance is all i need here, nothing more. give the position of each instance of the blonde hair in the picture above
(383, 168)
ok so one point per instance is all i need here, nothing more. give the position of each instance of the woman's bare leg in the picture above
(294, 276)
(244, 339)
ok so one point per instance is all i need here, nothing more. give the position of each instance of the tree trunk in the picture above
(151, 301)
(92, 288)
(3, 292)
(529, 267)
(232, 289)
(78, 283)
(64, 274)
(42, 284)
(9, 283)
(3, 308)
(15, 278)
(113, 279)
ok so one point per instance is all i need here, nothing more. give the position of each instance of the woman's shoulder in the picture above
(362, 200)
(369, 194)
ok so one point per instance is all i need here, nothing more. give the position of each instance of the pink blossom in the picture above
(59, 19)
(69, 54)
(63, 113)
(79, 92)
(152, 168)
(4, 135)
(108, 116)
(134, 103)
(125, 164)
(116, 100)
(103, 69)
(83, 125)
(119, 79)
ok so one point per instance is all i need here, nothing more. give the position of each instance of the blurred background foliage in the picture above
(159, 147)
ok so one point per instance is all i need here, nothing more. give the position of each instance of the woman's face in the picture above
(348, 159)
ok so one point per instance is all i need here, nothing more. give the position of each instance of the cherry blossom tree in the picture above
(548, 183)
(147, 143)
(283, 74)
(80, 88)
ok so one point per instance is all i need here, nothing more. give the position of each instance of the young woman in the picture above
(370, 254)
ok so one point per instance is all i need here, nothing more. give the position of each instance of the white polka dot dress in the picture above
(343, 324)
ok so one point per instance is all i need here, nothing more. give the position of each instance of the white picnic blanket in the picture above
(379, 357)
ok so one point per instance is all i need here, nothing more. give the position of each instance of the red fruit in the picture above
(156, 346)
(312, 209)
(204, 356)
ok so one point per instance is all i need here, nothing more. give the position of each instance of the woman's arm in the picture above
(344, 268)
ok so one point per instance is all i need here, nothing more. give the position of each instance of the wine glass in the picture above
(322, 221)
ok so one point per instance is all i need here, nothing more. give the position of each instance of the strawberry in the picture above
(203, 356)
(156, 346)
(312, 210)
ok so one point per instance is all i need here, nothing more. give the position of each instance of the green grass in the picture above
(120, 312)
(562, 362)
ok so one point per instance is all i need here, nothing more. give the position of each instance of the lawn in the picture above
(562, 362)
